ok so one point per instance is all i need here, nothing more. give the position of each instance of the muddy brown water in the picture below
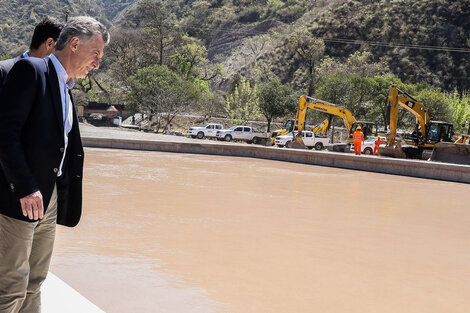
(166, 232)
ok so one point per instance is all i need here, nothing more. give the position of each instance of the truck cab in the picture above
(242, 133)
(309, 139)
(207, 130)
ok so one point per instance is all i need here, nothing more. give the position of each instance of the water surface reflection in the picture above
(168, 232)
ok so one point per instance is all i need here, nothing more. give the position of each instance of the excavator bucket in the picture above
(390, 152)
(451, 153)
(297, 143)
(394, 151)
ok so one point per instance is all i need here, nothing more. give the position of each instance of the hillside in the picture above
(19, 17)
(420, 40)
(416, 39)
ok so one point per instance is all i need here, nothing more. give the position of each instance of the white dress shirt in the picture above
(65, 84)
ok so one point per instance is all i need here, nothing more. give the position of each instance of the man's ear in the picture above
(50, 43)
(49, 46)
(73, 44)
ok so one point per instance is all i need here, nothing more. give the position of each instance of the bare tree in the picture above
(309, 50)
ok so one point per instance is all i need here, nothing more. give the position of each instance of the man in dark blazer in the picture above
(42, 44)
(41, 159)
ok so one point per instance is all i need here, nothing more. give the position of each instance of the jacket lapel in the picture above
(55, 91)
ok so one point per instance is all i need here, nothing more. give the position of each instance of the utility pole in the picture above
(67, 13)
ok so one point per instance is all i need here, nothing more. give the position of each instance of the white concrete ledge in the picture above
(413, 168)
(58, 297)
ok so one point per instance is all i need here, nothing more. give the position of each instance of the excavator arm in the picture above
(321, 106)
(428, 134)
(321, 128)
(397, 98)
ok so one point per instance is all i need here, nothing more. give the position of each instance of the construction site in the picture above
(429, 140)
(432, 150)
(266, 229)
(306, 218)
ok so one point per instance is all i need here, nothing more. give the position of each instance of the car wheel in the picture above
(255, 140)
(289, 144)
(200, 135)
(367, 151)
(228, 138)
(318, 146)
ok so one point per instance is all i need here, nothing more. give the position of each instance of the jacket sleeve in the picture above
(16, 100)
(2, 77)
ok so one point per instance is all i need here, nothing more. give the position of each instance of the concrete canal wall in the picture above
(412, 168)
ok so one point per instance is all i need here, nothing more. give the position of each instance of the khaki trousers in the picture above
(25, 255)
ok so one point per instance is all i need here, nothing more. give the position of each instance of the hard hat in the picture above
(358, 128)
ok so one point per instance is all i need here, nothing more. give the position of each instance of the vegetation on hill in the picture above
(347, 52)
(20, 16)
(419, 40)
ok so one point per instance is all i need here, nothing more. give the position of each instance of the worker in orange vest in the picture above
(377, 144)
(358, 138)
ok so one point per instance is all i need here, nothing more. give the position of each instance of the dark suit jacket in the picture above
(32, 143)
(5, 67)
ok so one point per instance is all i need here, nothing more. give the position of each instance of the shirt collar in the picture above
(26, 54)
(61, 72)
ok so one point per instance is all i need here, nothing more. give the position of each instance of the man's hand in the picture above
(32, 206)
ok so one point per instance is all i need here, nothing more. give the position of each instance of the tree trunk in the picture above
(311, 84)
(160, 62)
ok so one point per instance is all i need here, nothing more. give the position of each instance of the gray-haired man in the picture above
(41, 160)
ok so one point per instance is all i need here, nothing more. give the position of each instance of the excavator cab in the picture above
(288, 127)
(457, 152)
(367, 128)
(439, 131)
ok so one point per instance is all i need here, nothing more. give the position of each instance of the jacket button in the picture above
(62, 150)
(55, 170)
(12, 186)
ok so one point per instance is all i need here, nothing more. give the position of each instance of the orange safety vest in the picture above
(378, 142)
(358, 136)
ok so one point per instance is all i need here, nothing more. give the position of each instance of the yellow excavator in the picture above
(321, 128)
(457, 152)
(350, 122)
(289, 125)
(464, 138)
(423, 140)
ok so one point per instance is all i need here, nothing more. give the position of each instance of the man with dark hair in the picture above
(41, 160)
(42, 44)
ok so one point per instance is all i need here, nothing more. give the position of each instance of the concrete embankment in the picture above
(412, 168)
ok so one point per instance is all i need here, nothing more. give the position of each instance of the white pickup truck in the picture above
(244, 133)
(308, 137)
(208, 130)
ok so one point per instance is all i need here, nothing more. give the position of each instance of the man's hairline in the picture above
(89, 38)
(45, 41)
